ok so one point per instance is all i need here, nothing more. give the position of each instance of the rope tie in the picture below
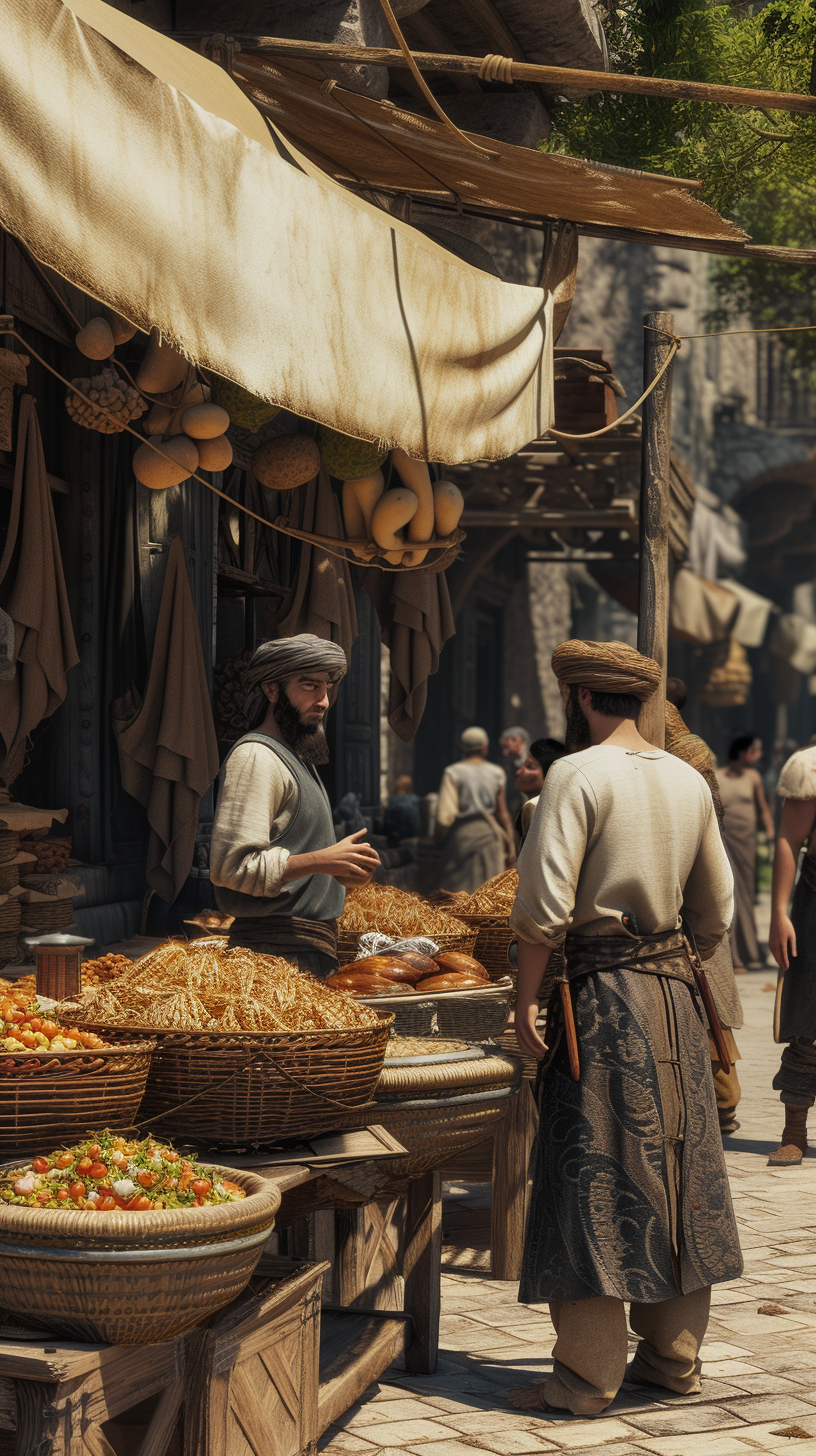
(496, 68)
(328, 87)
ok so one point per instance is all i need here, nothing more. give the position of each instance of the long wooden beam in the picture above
(556, 78)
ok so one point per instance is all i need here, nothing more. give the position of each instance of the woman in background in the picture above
(744, 802)
(530, 780)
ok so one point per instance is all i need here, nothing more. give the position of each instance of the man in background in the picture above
(472, 821)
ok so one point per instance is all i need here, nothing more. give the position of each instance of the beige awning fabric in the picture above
(701, 611)
(139, 171)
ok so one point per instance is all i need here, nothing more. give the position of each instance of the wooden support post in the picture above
(349, 1249)
(422, 1268)
(511, 1185)
(653, 603)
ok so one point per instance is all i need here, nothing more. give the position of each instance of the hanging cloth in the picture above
(322, 600)
(33, 595)
(416, 620)
(168, 750)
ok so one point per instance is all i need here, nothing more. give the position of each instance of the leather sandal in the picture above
(786, 1156)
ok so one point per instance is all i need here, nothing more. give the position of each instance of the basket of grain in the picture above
(248, 1048)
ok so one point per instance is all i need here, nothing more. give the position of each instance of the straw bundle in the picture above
(396, 913)
(209, 986)
(495, 897)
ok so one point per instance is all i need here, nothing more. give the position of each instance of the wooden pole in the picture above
(655, 500)
(557, 77)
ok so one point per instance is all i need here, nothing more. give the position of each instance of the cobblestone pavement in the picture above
(759, 1368)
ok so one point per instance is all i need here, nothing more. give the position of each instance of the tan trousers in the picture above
(726, 1088)
(592, 1344)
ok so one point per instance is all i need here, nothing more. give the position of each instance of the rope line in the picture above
(591, 435)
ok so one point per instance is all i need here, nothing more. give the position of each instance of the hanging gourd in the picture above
(416, 476)
(449, 504)
(286, 462)
(166, 463)
(244, 409)
(96, 341)
(391, 514)
(204, 421)
(214, 454)
(163, 367)
(348, 458)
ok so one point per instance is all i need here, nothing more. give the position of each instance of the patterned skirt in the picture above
(630, 1193)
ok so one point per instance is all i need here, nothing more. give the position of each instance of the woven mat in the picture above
(9, 876)
(9, 950)
(9, 845)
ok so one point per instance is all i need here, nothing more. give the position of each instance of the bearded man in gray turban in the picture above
(274, 860)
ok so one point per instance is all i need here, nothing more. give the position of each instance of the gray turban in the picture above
(286, 657)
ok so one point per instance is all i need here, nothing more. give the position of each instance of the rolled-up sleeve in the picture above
(255, 789)
(551, 857)
(708, 894)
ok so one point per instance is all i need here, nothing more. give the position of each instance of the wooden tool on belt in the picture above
(569, 1030)
(710, 1009)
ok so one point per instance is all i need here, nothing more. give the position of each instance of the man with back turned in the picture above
(624, 867)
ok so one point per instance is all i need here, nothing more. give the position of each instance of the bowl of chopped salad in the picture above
(127, 1240)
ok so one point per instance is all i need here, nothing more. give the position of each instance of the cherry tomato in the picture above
(106, 1192)
(146, 1179)
(94, 1151)
(64, 1160)
(141, 1203)
(84, 1165)
(49, 1029)
(77, 1191)
(62, 1195)
(106, 1205)
(18, 1017)
(43, 1196)
(98, 1170)
(35, 1023)
(231, 1187)
(201, 1187)
(170, 1156)
(40, 1165)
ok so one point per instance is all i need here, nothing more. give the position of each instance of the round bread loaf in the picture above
(390, 968)
(454, 962)
(421, 963)
(450, 982)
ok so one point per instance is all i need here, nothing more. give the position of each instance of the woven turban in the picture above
(606, 667)
(283, 658)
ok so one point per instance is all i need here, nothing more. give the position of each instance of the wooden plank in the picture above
(655, 509)
(349, 1271)
(355, 1349)
(421, 1268)
(163, 1421)
(558, 78)
(510, 1199)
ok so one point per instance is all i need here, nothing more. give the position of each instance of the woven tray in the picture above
(133, 1278)
(348, 942)
(69, 1094)
(435, 1110)
(255, 1086)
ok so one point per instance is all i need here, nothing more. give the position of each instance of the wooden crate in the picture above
(254, 1374)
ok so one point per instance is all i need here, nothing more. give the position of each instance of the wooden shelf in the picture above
(355, 1348)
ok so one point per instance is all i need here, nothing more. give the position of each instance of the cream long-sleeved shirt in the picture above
(257, 799)
(618, 832)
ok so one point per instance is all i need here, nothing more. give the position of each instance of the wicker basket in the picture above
(413, 1015)
(52, 914)
(257, 1086)
(493, 940)
(68, 1094)
(436, 1109)
(132, 1278)
(348, 942)
(475, 1015)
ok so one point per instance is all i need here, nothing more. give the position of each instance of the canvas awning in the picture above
(361, 140)
(139, 171)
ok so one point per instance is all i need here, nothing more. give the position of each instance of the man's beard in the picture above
(307, 740)
(578, 734)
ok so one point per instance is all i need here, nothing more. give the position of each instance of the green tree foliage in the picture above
(757, 167)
